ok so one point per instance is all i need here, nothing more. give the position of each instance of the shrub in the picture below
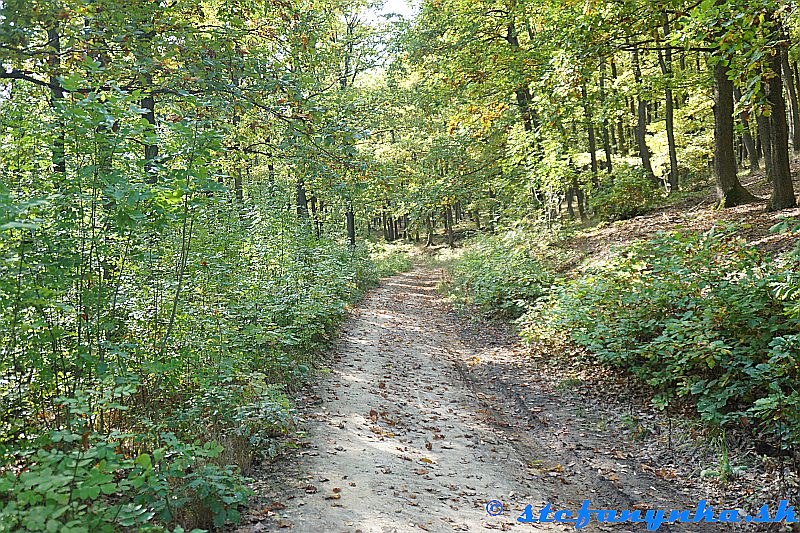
(630, 193)
(695, 316)
(502, 274)
(77, 480)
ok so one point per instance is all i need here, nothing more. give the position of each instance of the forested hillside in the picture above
(194, 194)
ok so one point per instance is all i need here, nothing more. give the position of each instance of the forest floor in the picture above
(426, 416)
(697, 213)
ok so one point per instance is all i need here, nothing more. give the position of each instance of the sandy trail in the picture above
(405, 438)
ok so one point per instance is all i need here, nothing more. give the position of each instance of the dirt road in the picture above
(414, 432)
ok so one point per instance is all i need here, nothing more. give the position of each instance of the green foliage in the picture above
(388, 259)
(630, 193)
(695, 316)
(79, 480)
(502, 274)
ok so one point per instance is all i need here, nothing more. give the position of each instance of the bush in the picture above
(77, 480)
(694, 316)
(502, 274)
(630, 193)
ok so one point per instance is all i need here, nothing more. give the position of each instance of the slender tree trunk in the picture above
(302, 199)
(570, 210)
(665, 59)
(606, 138)
(590, 133)
(641, 129)
(492, 209)
(57, 95)
(747, 136)
(782, 187)
(622, 145)
(729, 191)
(351, 226)
(794, 107)
(448, 224)
(766, 146)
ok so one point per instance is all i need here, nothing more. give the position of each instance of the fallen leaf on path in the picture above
(275, 506)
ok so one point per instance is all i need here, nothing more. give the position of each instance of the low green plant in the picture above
(388, 259)
(78, 480)
(630, 193)
(502, 274)
(696, 316)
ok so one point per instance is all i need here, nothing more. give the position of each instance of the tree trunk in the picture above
(665, 59)
(570, 210)
(476, 216)
(302, 199)
(448, 224)
(794, 108)
(579, 195)
(747, 136)
(590, 134)
(782, 187)
(351, 226)
(57, 95)
(641, 129)
(729, 191)
(492, 211)
(606, 138)
(429, 228)
(622, 145)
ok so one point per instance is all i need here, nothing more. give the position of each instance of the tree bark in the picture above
(606, 138)
(794, 108)
(747, 136)
(641, 129)
(351, 227)
(57, 95)
(729, 190)
(590, 133)
(448, 223)
(782, 187)
(302, 199)
(665, 59)
(579, 195)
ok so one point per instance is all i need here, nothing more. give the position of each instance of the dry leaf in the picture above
(275, 506)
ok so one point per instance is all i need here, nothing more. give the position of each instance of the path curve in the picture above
(403, 438)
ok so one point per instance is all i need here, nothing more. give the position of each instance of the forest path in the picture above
(402, 438)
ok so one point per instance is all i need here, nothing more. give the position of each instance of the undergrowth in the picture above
(701, 318)
(501, 274)
(189, 384)
(696, 316)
